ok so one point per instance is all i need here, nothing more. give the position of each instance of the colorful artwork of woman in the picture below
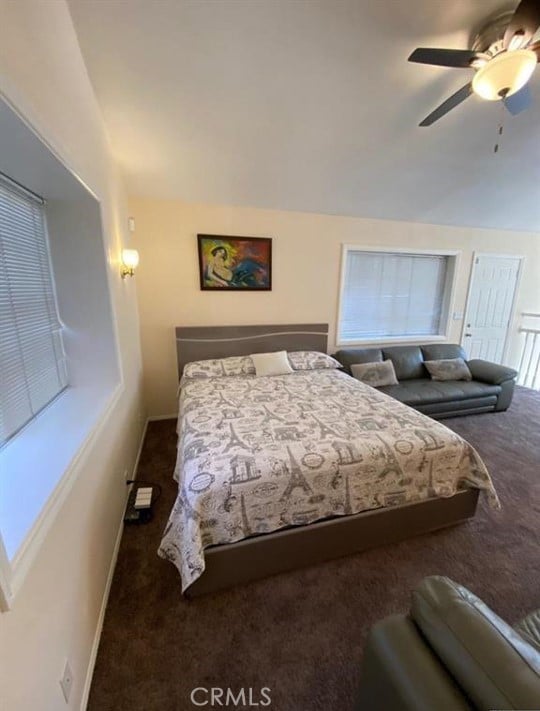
(235, 263)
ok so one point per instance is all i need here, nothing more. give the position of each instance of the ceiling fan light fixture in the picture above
(504, 75)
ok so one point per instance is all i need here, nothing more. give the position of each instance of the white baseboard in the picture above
(139, 451)
(99, 627)
(105, 599)
(156, 418)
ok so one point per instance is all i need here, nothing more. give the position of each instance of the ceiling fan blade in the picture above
(520, 101)
(443, 57)
(535, 47)
(524, 23)
(448, 105)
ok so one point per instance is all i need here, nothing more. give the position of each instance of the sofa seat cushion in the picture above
(458, 407)
(424, 391)
(529, 629)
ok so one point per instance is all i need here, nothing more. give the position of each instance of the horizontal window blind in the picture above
(33, 367)
(390, 295)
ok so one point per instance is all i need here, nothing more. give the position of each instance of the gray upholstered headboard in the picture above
(202, 342)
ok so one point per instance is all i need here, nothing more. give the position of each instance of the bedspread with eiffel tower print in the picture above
(258, 454)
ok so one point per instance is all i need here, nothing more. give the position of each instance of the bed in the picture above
(280, 472)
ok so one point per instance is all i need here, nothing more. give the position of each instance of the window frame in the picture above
(447, 303)
(57, 172)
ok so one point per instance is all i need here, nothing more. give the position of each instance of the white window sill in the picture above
(38, 467)
(398, 340)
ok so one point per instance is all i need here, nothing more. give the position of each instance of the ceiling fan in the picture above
(504, 55)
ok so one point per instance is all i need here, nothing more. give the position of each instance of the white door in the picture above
(489, 306)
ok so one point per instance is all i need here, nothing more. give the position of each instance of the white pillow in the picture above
(271, 363)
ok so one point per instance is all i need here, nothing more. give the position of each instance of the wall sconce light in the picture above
(130, 260)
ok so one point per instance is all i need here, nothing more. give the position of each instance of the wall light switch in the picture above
(457, 315)
(66, 682)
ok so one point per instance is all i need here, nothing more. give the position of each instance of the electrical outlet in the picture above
(66, 682)
(126, 474)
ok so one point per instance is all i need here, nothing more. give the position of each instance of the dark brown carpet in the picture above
(301, 633)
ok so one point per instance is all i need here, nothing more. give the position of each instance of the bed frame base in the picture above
(254, 558)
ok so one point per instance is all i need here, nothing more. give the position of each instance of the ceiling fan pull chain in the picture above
(496, 149)
(501, 125)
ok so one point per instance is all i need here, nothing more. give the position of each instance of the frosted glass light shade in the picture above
(507, 72)
(130, 258)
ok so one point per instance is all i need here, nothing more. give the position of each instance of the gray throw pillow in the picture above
(448, 369)
(375, 374)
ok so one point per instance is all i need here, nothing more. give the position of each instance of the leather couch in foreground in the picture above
(490, 389)
(451, 653)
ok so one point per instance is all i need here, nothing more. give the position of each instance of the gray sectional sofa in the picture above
(450, 653)
(490, 389)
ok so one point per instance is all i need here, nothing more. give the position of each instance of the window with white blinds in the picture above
(32, 360)
(391, 295)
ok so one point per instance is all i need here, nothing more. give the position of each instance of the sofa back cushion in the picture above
(351, 356)
(443, 351)
(494, 666)
(408, 361)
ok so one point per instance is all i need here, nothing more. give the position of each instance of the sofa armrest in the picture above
(494, 666)
(401, 673)
(492, 373)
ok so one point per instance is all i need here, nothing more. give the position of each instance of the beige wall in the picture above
(306, 266)
(55, 613)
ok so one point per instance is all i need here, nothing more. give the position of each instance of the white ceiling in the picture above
(307, 105)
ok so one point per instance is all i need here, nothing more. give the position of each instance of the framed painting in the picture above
(235, 263)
